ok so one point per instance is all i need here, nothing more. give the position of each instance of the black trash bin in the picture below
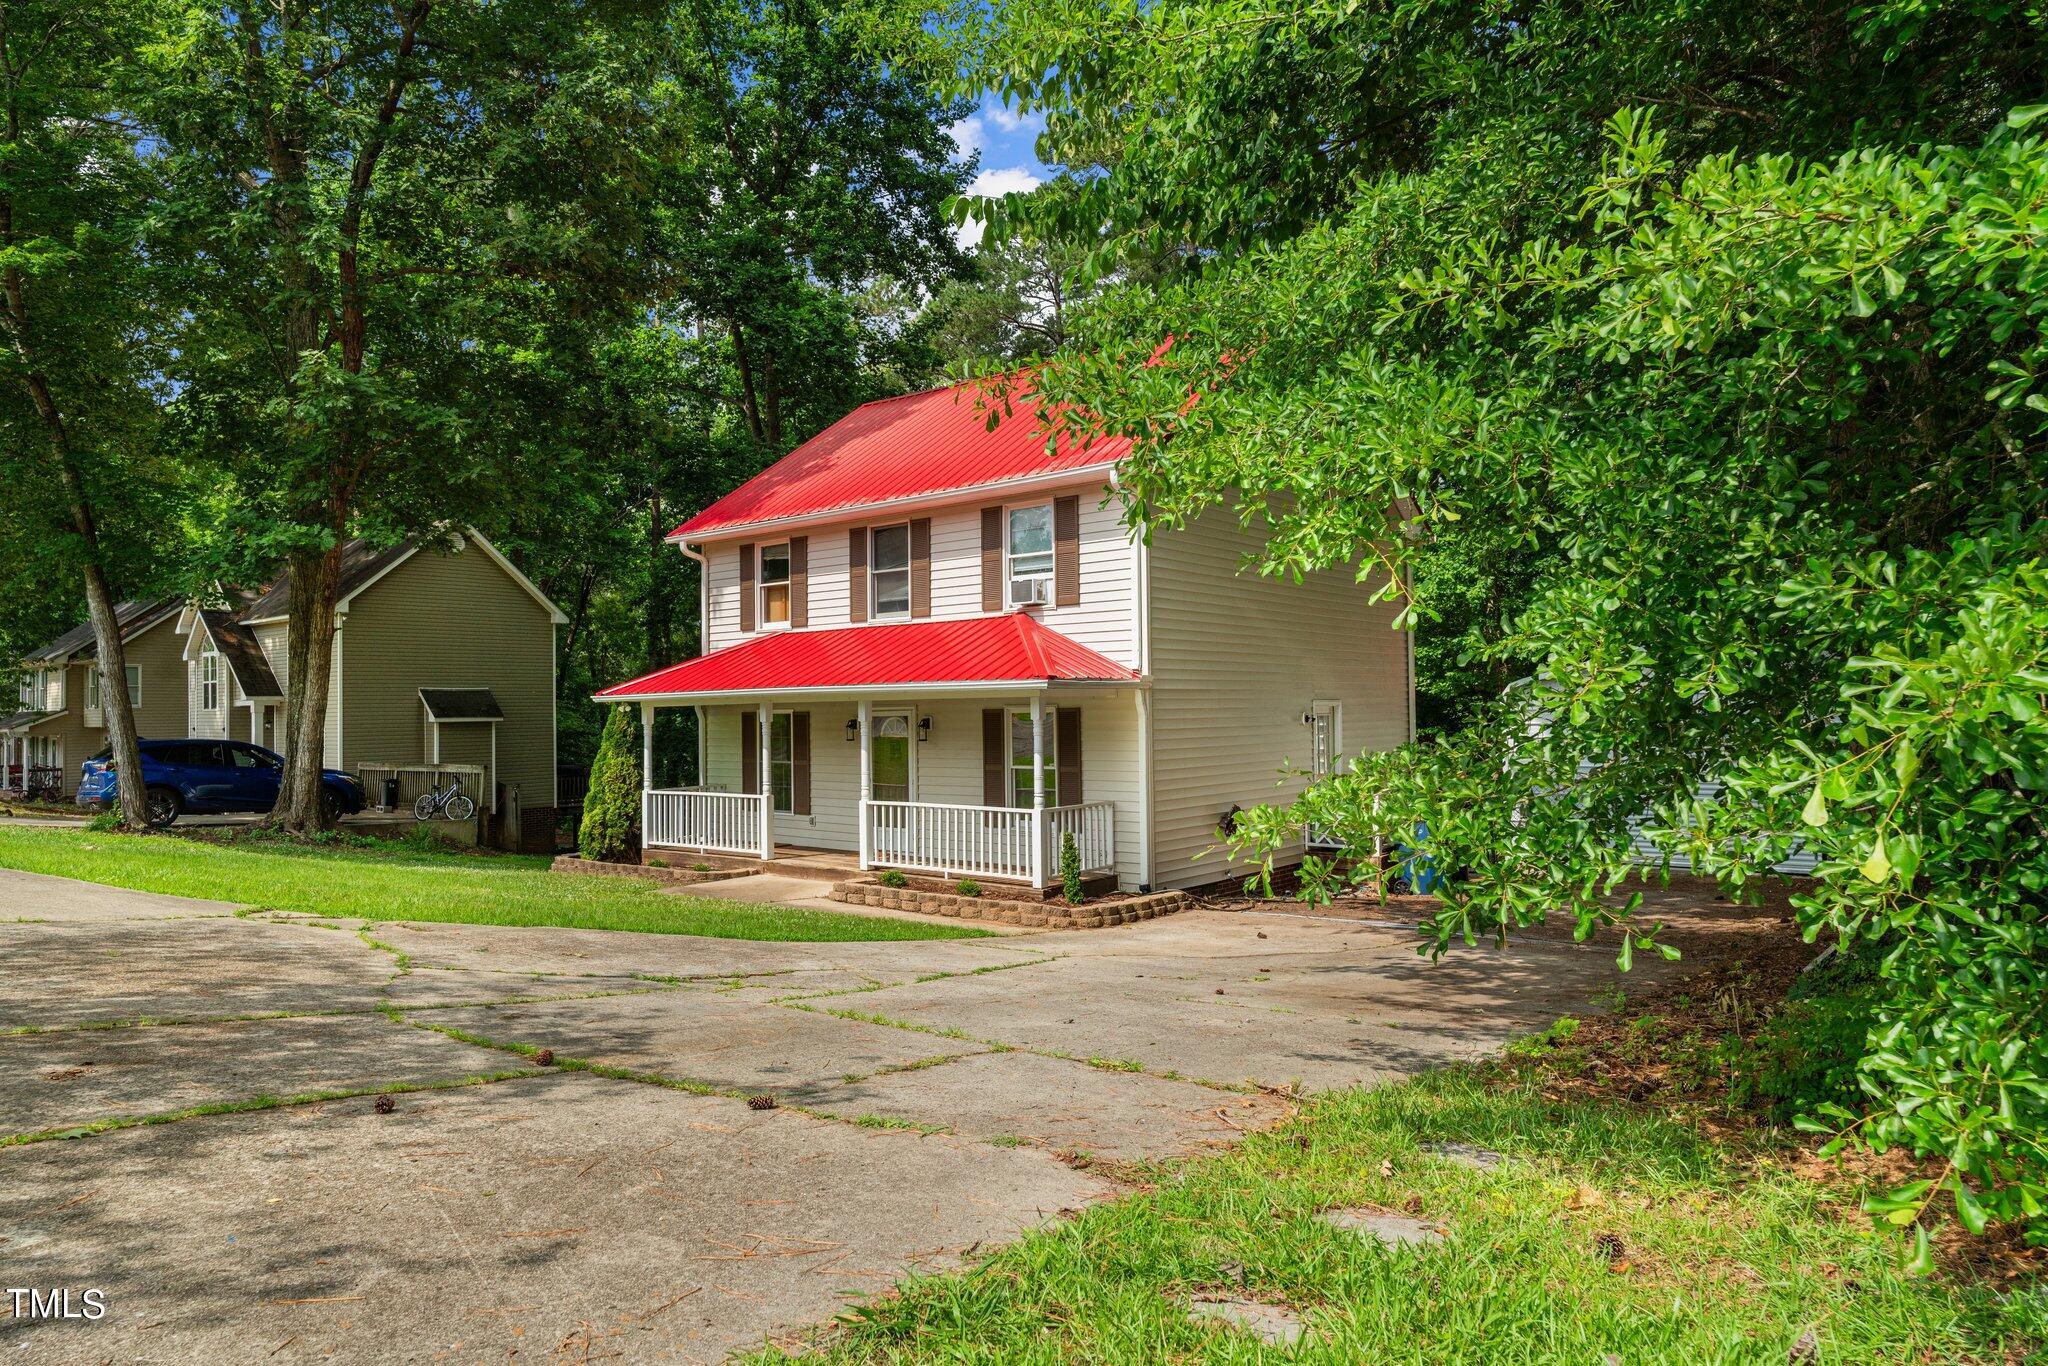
(390, 793)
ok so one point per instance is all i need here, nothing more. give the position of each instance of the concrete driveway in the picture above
(930, 1099)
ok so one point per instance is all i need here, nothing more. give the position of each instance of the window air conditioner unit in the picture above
(1030, 593)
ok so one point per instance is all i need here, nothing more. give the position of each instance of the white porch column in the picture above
(646, 769)
(867, 786)
(647, 747)
(1039, 860)
(767, 714)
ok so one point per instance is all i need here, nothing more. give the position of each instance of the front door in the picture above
(890, 780)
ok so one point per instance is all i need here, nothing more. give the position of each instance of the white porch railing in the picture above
(692, 818)
(1093, 826)
(987, 841)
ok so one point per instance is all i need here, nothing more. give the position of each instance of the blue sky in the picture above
(1008, 162)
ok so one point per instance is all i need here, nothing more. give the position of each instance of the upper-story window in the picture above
(1030, 554)
(775, 584)
(209, 681)
(94, 681)
(889, 570)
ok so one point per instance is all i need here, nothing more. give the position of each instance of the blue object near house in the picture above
(209, 776)
(1418, 868)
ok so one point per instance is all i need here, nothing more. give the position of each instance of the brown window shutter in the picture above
(995, 757)
(800, 763)
(799, 581)
(857, 574)
(1067, 735)
(750, 752)
(992, 559)
(921, 567)
(1066, 552)
(747, 587)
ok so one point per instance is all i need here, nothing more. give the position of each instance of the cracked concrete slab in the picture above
(563, 1212)
(694, 1034)
(73, 1077)
(73, 973)
(1056, 1103)
(570, 952)
(37, 896)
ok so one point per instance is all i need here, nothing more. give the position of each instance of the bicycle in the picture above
(448, 802)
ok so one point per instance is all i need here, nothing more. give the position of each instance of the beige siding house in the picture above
(59, 722)
(914, 613)
(442, 654)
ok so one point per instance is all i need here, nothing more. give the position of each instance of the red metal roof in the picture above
(935, 442)
(1002, 649)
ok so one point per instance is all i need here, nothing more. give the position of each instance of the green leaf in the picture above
(2025, 114)
(1968, 1208)
(1878, 866)
(1922, 1260)
(1816, 812)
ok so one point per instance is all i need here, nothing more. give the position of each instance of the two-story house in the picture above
(442, 654)
(935, 642)
(60, 721)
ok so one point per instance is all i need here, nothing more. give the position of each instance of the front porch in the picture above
(889, 786)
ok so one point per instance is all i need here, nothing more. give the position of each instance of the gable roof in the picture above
(974, 651)
(362, 564)
(897, 450)
(134, 618)
(237, 644)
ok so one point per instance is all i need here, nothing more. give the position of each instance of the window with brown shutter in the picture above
(750, 752)
(857, 574)
(747, 587)
(799, 581)
(1067, 754)
(1066, 552)
(995, 756)
(921, 567)
(800, 763)
(992, 559)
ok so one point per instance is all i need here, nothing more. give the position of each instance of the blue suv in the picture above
(208, 776)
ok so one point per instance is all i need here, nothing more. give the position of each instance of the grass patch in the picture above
(393, 882)
(1617, 1229)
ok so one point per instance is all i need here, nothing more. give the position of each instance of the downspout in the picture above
(703, 635)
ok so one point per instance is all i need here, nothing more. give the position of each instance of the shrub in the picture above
(967, 886)
(1805, 1058)
(1070, 869)
(105, 822)
(657, 863)
(891, 878)
(611, 811)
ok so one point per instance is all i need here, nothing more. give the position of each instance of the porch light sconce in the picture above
(1308, 718)
(924, 729)
(852, 729)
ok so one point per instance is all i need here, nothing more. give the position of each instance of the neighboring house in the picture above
(440, 656)
(61, 723)
(937, 644)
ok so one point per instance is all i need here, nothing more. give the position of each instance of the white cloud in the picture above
(1007, 119)
(993, 185)
(970, 134)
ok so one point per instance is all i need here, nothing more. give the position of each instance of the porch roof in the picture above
(970, 654)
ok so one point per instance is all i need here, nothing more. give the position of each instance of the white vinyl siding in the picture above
(1236, 661)
(1104, 620)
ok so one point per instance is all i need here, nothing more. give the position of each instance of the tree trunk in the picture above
(315, 578)
(99, 601)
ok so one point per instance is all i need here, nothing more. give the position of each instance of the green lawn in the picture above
(1715, 1262)
(396, 882)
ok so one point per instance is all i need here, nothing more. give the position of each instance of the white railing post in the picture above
(867, 788)
(767, 772)
(1038, 859)
(646, 748)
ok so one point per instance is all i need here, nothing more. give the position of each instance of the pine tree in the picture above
(611, 812)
